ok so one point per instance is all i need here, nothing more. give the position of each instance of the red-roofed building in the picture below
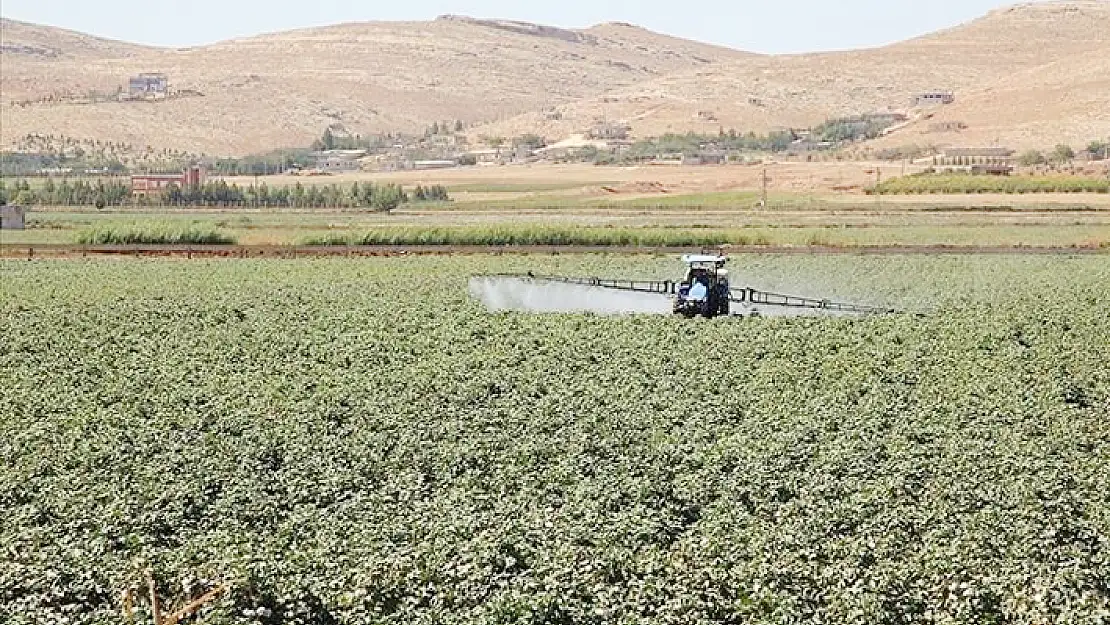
(147, 184)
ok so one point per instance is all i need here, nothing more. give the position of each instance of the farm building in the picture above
(974, 156)
(12, 217)
(145, 184)
(148, 86)
(994, 161)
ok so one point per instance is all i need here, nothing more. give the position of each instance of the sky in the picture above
(770, 26)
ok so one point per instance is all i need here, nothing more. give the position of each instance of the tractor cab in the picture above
(705, 289)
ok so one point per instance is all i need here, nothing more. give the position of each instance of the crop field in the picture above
(890, 224)
(356, 441)
(963, 184)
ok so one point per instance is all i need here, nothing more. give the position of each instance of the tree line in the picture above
(100, 193)
(218, 193)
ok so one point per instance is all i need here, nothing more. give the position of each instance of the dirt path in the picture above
(286, 251)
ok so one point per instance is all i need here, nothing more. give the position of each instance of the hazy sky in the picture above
(757, 25)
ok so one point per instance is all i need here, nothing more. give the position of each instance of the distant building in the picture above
(490, 156)
(148, 86)
(149, 184)
(12, 217)
(983, 152)
(933, 98)
(333, 161)
(995, 161)
(437, 164)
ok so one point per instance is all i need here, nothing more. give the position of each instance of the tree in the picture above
(1063, 154)
(388, 197)
(1031, 158)
(328, 140)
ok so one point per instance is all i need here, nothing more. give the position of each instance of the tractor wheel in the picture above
(709, 309)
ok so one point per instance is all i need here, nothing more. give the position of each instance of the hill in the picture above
(284, 89)
(1027, 76)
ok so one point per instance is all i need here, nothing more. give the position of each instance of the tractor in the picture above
(706, 291)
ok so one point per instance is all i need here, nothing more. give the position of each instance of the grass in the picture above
(154, 236)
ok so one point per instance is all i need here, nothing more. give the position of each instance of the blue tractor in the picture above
(705, 290)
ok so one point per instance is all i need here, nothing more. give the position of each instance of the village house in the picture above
(488, 156)
(338, 161)
(148, 86)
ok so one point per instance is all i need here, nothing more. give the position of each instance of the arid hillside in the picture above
(1026, 76)
(284, 89)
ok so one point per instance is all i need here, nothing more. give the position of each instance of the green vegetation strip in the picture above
(154, 236)
(962, 184)
(359, 442)
(542, 235)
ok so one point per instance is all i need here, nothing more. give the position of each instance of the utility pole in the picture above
(763, 192)
(878, 186)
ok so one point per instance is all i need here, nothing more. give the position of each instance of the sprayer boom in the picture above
(753, 297)
(744, 296)
(638, 286)
(705, 290)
